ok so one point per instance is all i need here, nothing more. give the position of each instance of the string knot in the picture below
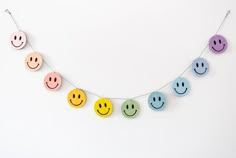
(7, 11)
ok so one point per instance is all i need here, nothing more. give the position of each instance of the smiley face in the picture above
(200, 67)
(157, 101)
(33, 61)
(103, 107)
(180, 86)
(52, 81)
(18, 40)
(130, 108)
(76, 98)
(218, 44)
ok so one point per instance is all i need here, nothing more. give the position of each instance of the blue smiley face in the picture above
(157, 101)
(200, 67)
(180, 86)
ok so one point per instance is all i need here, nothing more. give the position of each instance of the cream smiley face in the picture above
(52, 81)
(18, 40)
(33, 61)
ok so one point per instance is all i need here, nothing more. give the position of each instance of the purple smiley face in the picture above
(218, 44)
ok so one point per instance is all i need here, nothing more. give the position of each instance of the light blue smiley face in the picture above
(200, 67)
(157, 101)
(180, 86)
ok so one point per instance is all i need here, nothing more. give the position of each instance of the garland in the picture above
(130, 108)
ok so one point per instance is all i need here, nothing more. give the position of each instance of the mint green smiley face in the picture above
(130, 108)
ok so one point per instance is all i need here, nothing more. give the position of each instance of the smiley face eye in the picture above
(14, 37)
(154, 99)
(31, 58)
(100, 106)
(127, 106)
(50, 79)
(202, 64)
(159, 98)
(177, 84)
(36, 59)
(214, 42)
(219, 41)
(197, 64)
(79, 96)
(20, 38)
(73, 95)
(182, 84)
(132, 106)
(55, 79)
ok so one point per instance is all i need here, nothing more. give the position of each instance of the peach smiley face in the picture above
(33, 61)
(18, 40)
(52, 81)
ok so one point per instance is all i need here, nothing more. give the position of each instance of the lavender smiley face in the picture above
(218, 44)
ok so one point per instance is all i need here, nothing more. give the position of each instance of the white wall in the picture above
(118, 49)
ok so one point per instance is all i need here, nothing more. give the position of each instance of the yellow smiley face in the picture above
(103, 107)
(76, 98)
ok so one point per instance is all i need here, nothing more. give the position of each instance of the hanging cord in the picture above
(122, 98)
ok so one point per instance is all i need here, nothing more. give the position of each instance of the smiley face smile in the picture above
(131, 114)
(52, 87)
(202, 72)
(32, 67)
(104, 113)
(218, 50)
(16, 45)
(76, 104)
(182, 92)
(158, 107)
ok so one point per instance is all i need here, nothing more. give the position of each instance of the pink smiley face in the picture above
(52, 81)
(18, 40)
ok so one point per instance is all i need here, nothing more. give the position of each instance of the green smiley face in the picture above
(130, 108)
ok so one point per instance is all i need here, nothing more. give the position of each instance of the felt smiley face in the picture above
(130, 108)
(180, 87)
(200, 67)
(157, 101)
(52, 81)
(18, 40)
(76, 98)
(33, 61)
(103, 107)
(218, 44)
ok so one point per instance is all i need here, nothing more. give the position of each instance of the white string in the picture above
(121, 98)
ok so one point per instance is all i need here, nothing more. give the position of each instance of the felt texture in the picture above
(52, 81)
(18, 40)
(33, 61)
(103, 107)
(180, 87)
(157, 101)
(200, 67)
(130, 108)
(218, 44)
(76, 98)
